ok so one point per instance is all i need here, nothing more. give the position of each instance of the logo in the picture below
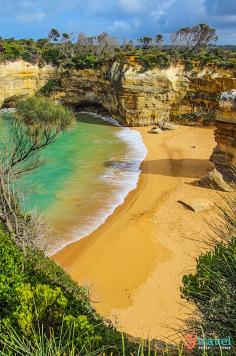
(191, 341)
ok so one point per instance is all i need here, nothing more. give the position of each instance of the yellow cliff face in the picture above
(20, 78)
(138, 98)
(224, 154)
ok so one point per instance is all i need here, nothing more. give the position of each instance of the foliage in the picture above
(52, 55)
(195, 38)
(38, 121)
(50, 86)
(22, 49)
(152, 60)
(38, 113)
(85, 61)
(191, 46)
(146, 42)
(213, 287)
(38, 295)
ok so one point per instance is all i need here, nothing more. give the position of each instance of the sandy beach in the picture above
(134, 263)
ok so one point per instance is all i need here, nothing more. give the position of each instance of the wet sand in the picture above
(134, 263)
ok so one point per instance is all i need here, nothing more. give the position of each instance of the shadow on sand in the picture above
(185, 168)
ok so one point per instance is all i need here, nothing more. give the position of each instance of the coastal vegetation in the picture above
(192, 46)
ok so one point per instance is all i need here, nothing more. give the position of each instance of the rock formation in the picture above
(131, 95)
(224, 155)
(138, 98)
(19, 78)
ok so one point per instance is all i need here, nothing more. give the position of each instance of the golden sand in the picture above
(134, 263)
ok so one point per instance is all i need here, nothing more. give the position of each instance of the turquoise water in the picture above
(82, 177)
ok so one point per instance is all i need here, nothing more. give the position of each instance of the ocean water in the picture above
(82, 178)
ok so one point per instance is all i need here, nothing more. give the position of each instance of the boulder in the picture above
(196, 204)
(155, 130)
(215, 180)
(166, 125)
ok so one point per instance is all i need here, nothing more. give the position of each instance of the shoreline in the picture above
(120, 176)
(126, 262)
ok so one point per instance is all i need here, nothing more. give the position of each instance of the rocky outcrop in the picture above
(21, 78)
(224, 155)
(138, 98)
(215, 180)
(131, 95)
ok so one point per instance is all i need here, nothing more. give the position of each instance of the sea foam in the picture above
(122, 175)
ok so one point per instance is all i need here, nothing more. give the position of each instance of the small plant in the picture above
(50, 86)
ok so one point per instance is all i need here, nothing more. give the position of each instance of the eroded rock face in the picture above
(224, 155)
(138, 98)
(132, 96)
(20, 78)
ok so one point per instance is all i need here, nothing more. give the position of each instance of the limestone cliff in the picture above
(138, 98)
(133, 96)
(224, 155)
(20, 78)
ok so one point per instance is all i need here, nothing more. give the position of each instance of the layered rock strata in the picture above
(224, 155)
(138, 98)
(20, 78)
(131, 95)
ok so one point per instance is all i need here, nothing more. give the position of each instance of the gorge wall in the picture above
(20, 78)
(138, 98)
(224, 155)
(132, 96)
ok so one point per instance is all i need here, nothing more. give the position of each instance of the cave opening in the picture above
(89, 106)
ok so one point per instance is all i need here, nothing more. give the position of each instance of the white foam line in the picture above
(128, 181)
(103, 117)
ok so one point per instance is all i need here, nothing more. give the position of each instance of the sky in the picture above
(125, 19)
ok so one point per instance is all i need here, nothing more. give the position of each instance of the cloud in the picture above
(36, 16)
(123, 18)
(119, 25)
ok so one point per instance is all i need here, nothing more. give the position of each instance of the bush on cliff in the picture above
(85, 61)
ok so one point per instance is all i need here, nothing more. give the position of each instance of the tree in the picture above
(104, 44)
(195, 38)
(84, 44)
(37, 124)
(65, 37)
(182, 38)
(146, 42)
(202, 36)
(54, 35)
(128, 46)
(159, 40)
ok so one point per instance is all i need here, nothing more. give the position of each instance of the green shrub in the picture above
(11, 50)
(50, 86)
(52, 55)
(37, 112)
(36, 295)
(86, 61)
(152, 60)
